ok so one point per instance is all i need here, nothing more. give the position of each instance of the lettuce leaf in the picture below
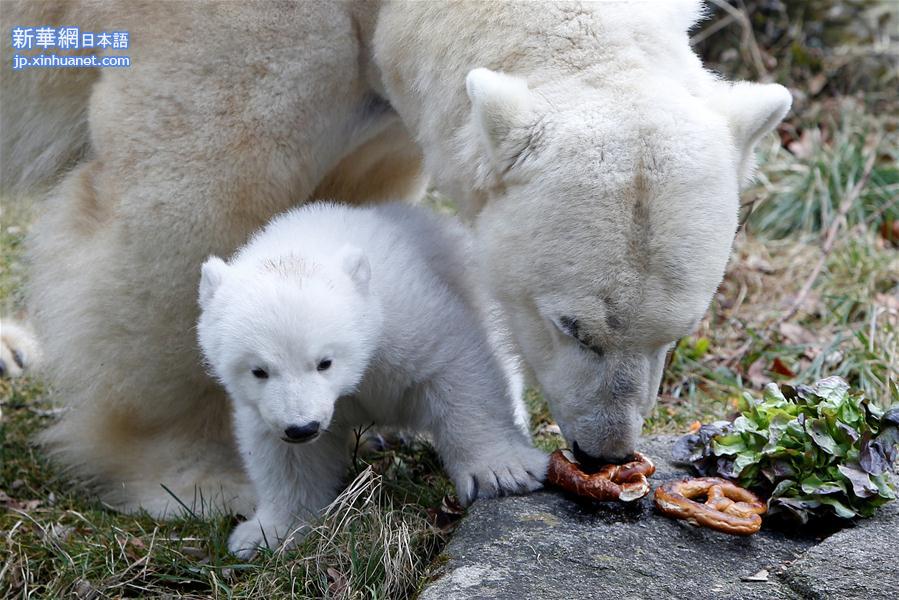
(814, 450)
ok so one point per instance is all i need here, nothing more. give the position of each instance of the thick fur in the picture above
(381, 294)
(598, 162)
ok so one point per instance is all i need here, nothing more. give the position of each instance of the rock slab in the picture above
(550, 546)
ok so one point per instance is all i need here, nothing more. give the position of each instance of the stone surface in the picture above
(549, 545)
(859, 562)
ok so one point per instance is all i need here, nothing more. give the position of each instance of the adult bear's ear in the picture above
(211, 276)
(752, 110)
(502, 110)
(356, 265)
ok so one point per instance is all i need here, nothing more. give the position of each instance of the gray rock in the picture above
(548, 545)
(858, 562)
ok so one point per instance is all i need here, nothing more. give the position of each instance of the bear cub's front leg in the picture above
(293, 483)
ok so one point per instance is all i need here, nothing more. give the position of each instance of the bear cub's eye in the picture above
(259, 373)
(324, 365)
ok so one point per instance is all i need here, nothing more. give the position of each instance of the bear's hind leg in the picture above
(192, 149)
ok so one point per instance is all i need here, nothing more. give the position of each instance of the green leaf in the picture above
(816, 449)
(744, 460)
(815, 485)
(727, 445)
(817, 429)
(884, 488)
(841, 510)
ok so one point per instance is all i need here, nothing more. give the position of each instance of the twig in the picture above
(875, 216)
(831, 236)
(712, 29)
(827, 246)
(359, 433)
(748, 36)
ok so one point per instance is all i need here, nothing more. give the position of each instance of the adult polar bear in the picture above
(597, 160)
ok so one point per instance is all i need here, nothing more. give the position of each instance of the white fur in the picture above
(406, 349)
(597, 160)
(600, 165)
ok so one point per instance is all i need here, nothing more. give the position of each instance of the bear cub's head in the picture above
(288, 336)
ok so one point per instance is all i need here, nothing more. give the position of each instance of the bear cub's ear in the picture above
(356, 265)
(211, 276)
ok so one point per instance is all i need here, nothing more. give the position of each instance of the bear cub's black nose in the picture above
(301, 433)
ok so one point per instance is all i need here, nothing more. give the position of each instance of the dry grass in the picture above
(374, 541)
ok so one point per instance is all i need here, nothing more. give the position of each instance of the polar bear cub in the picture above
(334, 317)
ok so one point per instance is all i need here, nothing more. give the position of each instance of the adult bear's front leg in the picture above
(193, 147)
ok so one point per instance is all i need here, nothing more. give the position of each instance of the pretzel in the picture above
(625, 482)
(728, 507)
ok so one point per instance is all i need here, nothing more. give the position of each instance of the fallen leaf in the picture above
(760, 576)
(549, 429)
(193, 552)
(817, 83)
(23, 505)
(59, 532)
(694, 426)
(804, 147)
(337, 582)
(889, 231)
(781, 368)
(758, 263)
(794, 334)
(84, 589)
(756, 374)
(446, 516)
(890, 301)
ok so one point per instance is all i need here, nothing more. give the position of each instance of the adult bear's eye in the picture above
(259, 373)
(570, 327)
(324, 365)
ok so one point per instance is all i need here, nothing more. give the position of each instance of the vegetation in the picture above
(814, 451)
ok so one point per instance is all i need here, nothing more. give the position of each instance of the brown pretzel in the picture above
(625, 482)
(728, 507)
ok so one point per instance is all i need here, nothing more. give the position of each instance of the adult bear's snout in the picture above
(590, 464)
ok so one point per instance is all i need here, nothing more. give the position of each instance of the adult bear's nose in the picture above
(301, 433)
(591, 464)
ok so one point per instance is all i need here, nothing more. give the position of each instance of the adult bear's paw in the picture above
(19, 350)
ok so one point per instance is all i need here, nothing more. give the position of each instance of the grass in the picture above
(848, 325)
(375, 541)
(384, 533)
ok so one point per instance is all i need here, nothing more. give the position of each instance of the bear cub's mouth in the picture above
(302, 441)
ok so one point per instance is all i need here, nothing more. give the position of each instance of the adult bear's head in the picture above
(610, 210)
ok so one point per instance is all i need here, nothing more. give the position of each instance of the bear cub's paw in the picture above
(259, 532)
